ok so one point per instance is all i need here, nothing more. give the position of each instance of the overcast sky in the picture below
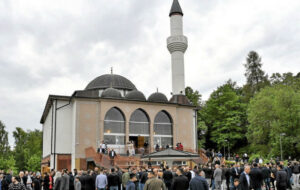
(57, 47)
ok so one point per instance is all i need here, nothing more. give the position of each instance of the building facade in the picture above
(111, 110)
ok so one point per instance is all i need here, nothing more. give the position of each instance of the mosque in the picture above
(112, 110)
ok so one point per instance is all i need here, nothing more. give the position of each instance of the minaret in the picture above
(177, 45)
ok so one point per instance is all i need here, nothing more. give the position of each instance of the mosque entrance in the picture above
(138, 141)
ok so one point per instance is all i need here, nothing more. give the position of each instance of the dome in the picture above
(111, 93)
(158, 97)
(111, 81)
(135, 95)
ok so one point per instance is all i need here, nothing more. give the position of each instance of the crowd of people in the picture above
(201, 177)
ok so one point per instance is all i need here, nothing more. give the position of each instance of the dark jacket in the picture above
(244, 182)
(82, 180)
(281, 179)
(198, 183)
(113, 180)
(180, 183)
(168, 177)
(36, 184)
(111, 155)
(256, 178)
(295, 169)
(57, 184)
(89, 183)
(71, 182)
(144, 177)
(266, 172)
(235, 173)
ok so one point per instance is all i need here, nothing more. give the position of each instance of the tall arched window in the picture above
(114, 127)
(139, 128)
(139, 123)
(163, 129)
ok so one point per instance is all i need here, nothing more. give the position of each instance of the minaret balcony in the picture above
(177, 43)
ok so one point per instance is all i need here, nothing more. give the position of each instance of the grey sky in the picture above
(56, 47)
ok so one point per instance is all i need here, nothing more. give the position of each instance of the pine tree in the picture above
(256, 77)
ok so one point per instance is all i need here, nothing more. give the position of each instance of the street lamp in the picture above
(224, 147)
(281, 134)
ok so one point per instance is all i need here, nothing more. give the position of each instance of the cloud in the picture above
(56, 47)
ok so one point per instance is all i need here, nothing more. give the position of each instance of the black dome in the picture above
(158, 97)
(111, 93)
(111, 81)
(135, 95)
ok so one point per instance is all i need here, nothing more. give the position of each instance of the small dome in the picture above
(111, 80)
(111, 93)
(135, 95)
(158, 97)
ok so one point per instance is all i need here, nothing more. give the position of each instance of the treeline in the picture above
(252, 118)
(27, 152)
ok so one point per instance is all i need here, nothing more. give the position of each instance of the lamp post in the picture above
(281, 134)
(224, 147)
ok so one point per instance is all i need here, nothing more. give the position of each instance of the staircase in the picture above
(103, 160)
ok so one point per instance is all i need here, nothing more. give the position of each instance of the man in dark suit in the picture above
(245, 180)
(235, 173)
(168, 177)
(256, 177)
(180, 182)
(112, 155)
(89, 181)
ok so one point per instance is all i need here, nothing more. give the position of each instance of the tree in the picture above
(28, 146)
(256, 77)
(273, 111)
(287, 79)
(193, 96)
(225, 115)
(4, 145)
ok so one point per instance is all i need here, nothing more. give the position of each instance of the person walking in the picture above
(112, 155)
(198, 182)
(281, 178)
(218, 177)
(266, 176)
(296, 173)
(245, 180)
(256, 177)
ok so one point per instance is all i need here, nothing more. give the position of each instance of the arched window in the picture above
(139, 123)
(114, 127)
(163, 130)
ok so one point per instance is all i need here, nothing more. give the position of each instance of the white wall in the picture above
(64, 128)
(47, 135)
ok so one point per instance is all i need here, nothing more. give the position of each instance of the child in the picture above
(236, 184)
(77, 183)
